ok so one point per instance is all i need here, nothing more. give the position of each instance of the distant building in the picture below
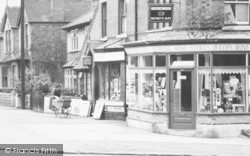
(45, 42)
(76, 75)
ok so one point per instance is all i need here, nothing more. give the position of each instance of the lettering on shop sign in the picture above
(205, 47)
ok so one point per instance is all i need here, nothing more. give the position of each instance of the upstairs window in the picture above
(8, 41)
(104, 19)
(159, 25)
(236, 11)
(74, 39)
(122, 16)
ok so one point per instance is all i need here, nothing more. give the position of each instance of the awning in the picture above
(182, 64)
(109, 56)
(4, 58)
(70, 64)
(229, 71)
(112, 50)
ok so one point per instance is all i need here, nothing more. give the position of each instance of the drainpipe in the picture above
(136, 20)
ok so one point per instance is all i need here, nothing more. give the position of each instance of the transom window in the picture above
(237, 11)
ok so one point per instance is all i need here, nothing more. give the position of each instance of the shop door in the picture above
(182, 99)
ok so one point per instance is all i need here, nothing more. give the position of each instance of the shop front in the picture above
(200, 85)
(110, 71)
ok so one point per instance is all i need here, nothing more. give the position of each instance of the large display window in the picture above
(146, 86)
(222, 86)
(110, 81)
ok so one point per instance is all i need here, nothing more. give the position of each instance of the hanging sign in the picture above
(87, 61)
(160, 13)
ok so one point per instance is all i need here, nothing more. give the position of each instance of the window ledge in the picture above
(121, 36)
(236, 27)
(73, 51)
(104, 39)
(160, 30)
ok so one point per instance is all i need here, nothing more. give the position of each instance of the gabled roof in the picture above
(12, 14)
(55, 10)
(82, 20)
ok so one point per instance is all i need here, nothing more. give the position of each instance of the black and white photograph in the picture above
(124, 77)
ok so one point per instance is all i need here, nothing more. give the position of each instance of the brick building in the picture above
(187, 55)
(10, 32)
(45, 41)
(176, 64)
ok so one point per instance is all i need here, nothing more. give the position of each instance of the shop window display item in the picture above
(160, 92)
(147, 92)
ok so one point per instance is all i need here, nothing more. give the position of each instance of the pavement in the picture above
(87, 136)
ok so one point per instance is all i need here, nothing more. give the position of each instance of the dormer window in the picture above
(74, 39)
(236, 11)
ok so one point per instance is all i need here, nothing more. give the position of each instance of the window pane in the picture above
(229, 92)
(160, 60)
(204, 60)
(160, 92)
(181, 58)
(134, 91)
(134, 61)
(106, 76)
(248, 90)
(229, 60)
(147, 61)
(242, 12)
(204, 80)
(115, 81)
(230, 13)
(147, 91)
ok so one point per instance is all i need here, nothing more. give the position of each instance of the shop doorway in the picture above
(182, 103)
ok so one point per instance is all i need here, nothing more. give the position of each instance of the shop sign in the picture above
(87, 61)
(161, 13)
(189, 48)
(114, 109)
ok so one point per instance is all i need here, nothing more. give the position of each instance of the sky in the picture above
(10, 3)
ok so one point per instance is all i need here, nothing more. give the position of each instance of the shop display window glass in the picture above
(204, 90)
(147, 81)
(160, 60)
(133, 91)
(115, 81)
(176, 58)
(110, 81)
(229, 60)
(248, 90)
(229, 89)
(147, 61)
(204, 60)
(134, 61)
(160, 91)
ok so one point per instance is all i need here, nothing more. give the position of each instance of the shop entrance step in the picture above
(182, 132)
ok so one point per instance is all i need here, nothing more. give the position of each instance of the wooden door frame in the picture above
(193, 98)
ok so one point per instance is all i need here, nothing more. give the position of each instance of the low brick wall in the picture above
(7, 99)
